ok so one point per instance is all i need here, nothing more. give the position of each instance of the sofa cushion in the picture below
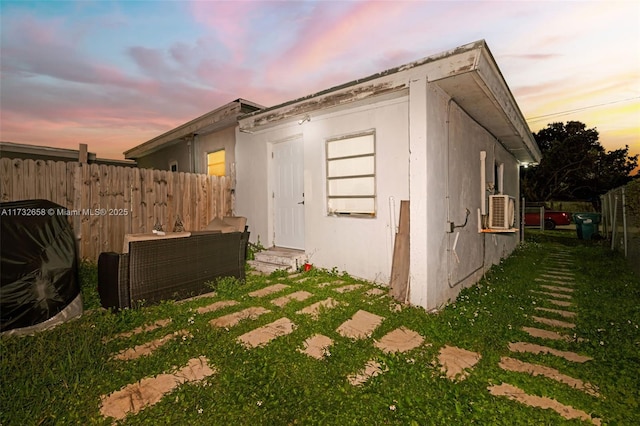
(144, 237)
(228, 224)
(238, 222)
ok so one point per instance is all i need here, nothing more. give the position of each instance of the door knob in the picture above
(301, 202)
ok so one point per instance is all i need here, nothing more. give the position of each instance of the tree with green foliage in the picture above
(574, 165)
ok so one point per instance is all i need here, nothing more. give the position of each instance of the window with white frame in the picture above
(351, 175)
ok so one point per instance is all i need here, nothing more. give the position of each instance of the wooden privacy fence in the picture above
(105, 202)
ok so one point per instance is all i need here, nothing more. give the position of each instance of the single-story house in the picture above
(326, 173)
(204, 145)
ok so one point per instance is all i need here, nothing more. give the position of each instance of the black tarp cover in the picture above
(38, 266)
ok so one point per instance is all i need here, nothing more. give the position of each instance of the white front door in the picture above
(288, 194)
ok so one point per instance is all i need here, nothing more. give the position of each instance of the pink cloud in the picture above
(228, 21)
(330, 34)
(532, 56)
(151, 61)
(356, 39)
(54, 88)
(43, 95)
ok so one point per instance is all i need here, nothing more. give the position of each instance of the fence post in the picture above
(83, 154)
(611, 216)
(613, 223)
(624, 221)
(522, 210)
(542, 219)
(77, 206)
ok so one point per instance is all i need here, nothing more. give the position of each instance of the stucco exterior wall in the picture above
(446, 163)
(361, 246)
(191, 155)
(215, 141)
(457, 259)
(161, 159)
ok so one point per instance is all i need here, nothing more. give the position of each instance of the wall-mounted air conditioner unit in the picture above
(502, 212)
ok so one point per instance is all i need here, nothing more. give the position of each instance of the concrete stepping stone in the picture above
(553, 265)
(233, 319)
(515, 365)
(553, 322)
(371, 369)
(375, 292)
(315, 309)
(456, 362)
(562, 262)
(557, 277)
(559, 271)
(216, 306)
(263, 335)
(551, 335)
(517, 394)
(347, 288)
(566, 314)
(399, 340)
(564, 265)
(562, 303)
(142, 329)
(539, 349)
(298, 295)
(548, 281)
(317, 346)
(556, 295)
(147, 348)
(134, 397)
(360, 326)
(268, 290)
(329, 283)
(557, 288)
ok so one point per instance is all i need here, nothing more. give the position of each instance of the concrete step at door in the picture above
(277, 258)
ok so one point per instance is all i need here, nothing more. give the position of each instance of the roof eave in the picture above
(219, 118)
(468, 74)
(498, 111)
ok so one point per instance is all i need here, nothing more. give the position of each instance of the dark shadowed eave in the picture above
(221, 117)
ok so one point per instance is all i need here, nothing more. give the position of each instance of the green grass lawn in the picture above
(57, 377)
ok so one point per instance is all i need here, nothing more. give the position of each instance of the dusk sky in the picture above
(114, 74)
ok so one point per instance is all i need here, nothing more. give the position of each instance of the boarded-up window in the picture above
(215, 163)
(351, 175)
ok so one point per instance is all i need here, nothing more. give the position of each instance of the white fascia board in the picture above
(492, 77)
(396, 80)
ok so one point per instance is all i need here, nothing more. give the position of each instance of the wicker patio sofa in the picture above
(172, 268)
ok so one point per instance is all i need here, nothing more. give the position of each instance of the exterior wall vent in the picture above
(501, 211)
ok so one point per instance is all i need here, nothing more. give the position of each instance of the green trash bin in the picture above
(587, 224)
